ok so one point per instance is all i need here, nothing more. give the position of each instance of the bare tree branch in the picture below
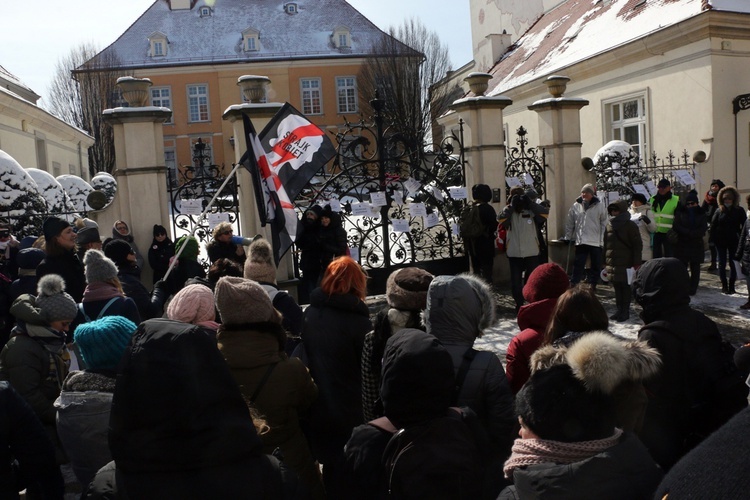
(80, 101)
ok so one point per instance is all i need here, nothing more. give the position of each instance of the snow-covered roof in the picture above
(11, 82)
(217, 38)
(577, 30)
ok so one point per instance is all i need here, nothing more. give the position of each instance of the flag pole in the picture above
(200, 218)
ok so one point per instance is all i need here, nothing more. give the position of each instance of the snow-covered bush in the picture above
(20, 201)
(617, 167)
(53, 193)
(77, 189)
(105, 183)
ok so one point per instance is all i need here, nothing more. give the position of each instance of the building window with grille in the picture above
(162, 97)
(197, 103)
(346, 91)
(627, 119)
(312, 103)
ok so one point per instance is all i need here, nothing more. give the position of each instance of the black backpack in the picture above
(470, 223)
(437, 459)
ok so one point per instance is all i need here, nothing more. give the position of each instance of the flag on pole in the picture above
(288, 153)
(296, 148)
(274, 205)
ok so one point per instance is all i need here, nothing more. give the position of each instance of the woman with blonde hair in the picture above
(333, 333)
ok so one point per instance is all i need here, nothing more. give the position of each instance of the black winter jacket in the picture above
(158, 257)
(184, 432)
(217, 250)
(727, 223)
(70, 268)
(150, 305)
(690, 224)
(333, 334)
(743, 248)
(332, 240)
(622, 472)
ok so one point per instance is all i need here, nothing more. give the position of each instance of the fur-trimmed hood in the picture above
(602, 361)
(459, 308)
(735, 195)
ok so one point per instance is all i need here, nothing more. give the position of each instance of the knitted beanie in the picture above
(30, 258)
(242, 301)
(547, 281)
(692, 196)
(193, 304)
(53, 226)
(588, 188)
(53, 303)
(259, 266)
(98, 267)
(407, 288)
(118, 251)
(102, 342)
(191, 248)
(88, 235)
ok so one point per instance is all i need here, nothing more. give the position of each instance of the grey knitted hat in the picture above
(53, 303)
(242, 301)
(259, 265)
(98, 267)
(588, 188)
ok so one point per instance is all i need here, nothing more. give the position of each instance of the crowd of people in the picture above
(218, 384)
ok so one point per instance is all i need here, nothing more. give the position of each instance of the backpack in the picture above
(437, 459)
(470, 223)
(717, 389)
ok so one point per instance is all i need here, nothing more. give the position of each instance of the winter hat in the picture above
(418, 379)
(193, 304)
(663, 183)
(691, 196)
(98, 267)
(53, 226)
(406, 288)
(30, 258)
(242, 301)
(53, 303)
(102, 342)
(27, 242)
(639, 197)
(547, 281)
(259, 265)
(588, 188)
(718, 182)
(327, 211)
(159, 230)
(85, 222)
(118, 251)
(88, 235)
(556, 406)
(191, 248)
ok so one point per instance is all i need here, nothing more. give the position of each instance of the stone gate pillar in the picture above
(560, 136)
(484, 145)
(142, 199)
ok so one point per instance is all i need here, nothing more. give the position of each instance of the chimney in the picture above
(180, 4)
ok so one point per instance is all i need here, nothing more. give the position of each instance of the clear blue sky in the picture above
(37, 33)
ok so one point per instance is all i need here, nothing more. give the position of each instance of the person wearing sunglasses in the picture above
(223, 244)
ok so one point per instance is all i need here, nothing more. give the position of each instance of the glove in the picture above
(161, 285)
(645, 219)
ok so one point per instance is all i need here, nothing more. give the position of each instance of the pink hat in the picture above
(193, 304)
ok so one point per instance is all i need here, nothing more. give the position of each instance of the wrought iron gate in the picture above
(526, 165)
(393, 231)
(200, 181)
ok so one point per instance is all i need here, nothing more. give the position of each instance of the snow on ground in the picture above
(734, 324)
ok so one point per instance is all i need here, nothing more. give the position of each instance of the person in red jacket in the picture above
(545, 284)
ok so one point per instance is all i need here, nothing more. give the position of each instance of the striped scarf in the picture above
(544, 451)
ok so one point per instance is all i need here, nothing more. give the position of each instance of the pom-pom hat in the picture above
(53, 303)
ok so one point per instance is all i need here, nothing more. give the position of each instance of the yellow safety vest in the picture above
(665, 217)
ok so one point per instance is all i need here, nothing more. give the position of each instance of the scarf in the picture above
(543, 451)
(711, 199)
(100, 291)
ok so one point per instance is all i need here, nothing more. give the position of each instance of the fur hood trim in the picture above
(733, 191)
(602, 361)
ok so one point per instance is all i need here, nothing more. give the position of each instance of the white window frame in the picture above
(159, 44)
(636, 127)
(291, 8)
(205, 11)
(342, 37)
(161, 100)
(198, 100)
(309, 87)
(346, 95)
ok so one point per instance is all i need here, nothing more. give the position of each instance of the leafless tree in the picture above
(403, 68)
(79, 97)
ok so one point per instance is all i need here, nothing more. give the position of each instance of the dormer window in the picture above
(342, 38)
(205, 11)
(159, 44)
(290, 8)
(251, 40)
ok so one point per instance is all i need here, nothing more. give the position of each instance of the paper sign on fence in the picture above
(377, 199)
(431, 220)
(400, 225)
(191, 207)
(361, 209)
(215, 218)
(417, 210)
(335, 204)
